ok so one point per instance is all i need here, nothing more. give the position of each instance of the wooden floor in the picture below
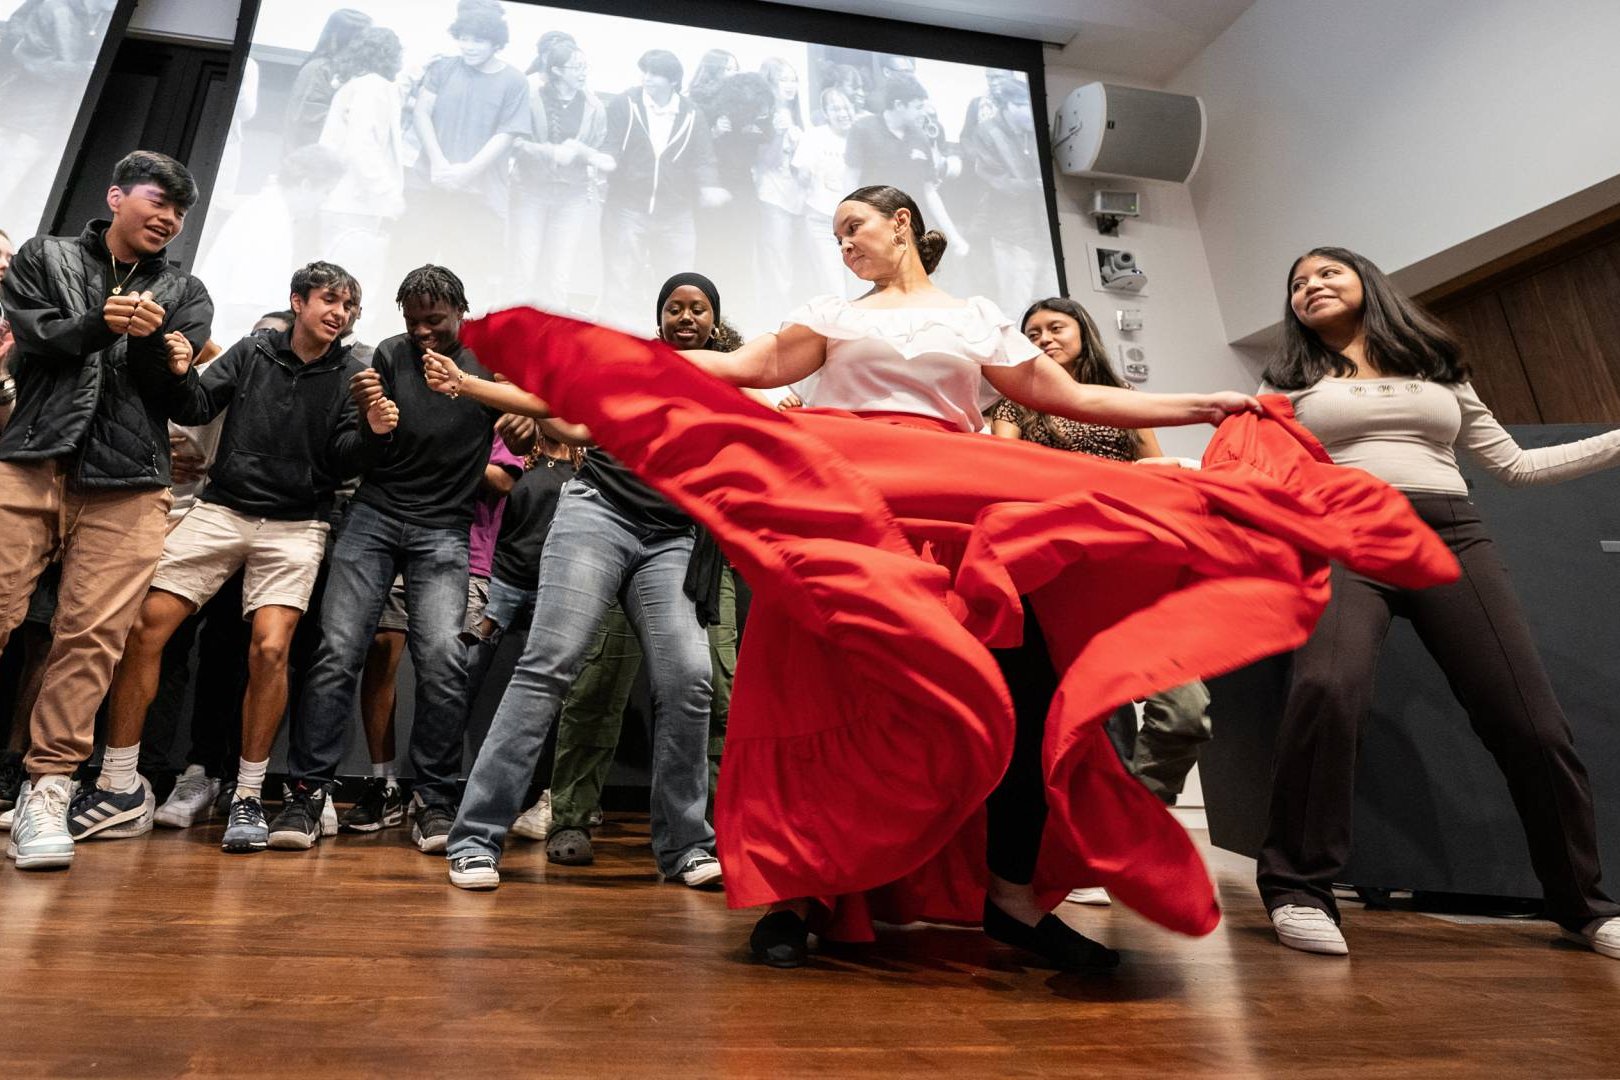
(163, 957)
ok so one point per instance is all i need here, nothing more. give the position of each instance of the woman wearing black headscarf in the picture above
(612, 537)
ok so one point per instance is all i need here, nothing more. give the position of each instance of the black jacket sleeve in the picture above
(352, 447)
(45, 332)
(195, 399)
(148, 357)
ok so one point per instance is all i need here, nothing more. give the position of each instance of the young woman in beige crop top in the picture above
(1385, 389)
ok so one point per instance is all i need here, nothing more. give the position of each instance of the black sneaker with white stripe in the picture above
(298, 826)
(380, 806)
(113, 815)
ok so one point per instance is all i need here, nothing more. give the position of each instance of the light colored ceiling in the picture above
(1143, 40)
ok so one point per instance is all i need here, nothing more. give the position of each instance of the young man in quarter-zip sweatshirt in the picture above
(291, 437)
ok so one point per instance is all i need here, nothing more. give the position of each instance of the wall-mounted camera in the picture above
(1117, 270)
(1109, 208)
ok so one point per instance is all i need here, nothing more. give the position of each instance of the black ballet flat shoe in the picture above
(780, 940)
(1051, 939)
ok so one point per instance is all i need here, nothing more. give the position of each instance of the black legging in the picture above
(1016, 809)
(1475, 630)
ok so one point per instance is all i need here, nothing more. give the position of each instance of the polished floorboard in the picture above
(161, 956)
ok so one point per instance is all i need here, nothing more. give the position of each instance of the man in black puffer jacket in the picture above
(102, 322)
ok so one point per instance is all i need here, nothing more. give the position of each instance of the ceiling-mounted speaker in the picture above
(1107, 130)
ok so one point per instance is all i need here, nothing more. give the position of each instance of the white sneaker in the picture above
(1602, 936)
(329, 817)
(535, 822)
(1096, 896)
(39, 833)
(1308, 929)
(191, 801)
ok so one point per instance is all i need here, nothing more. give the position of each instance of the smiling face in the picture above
(475, 52)
(840, 113)
(1055, 334)
(324, 315)
(144, 218)
(865, 238)
(1325, 293)
(687, 321)
(431, 324)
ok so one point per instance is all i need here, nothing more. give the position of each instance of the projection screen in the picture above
(575, 160)
(48, 50)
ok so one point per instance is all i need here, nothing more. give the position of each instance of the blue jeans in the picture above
(592, 555)
(507, 604)
(371, 548)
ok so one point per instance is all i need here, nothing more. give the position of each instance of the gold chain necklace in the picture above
(118, 286)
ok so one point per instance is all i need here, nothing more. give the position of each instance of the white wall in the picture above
(211, 20)
(1431, 135)
(1182, 333)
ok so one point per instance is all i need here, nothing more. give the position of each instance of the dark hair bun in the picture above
(930, 247)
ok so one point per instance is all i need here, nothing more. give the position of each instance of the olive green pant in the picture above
(1175, 723)
(588, 730)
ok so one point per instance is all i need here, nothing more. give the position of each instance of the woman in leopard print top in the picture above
(1061, 328)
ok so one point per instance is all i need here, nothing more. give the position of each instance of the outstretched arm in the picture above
(1045, 387)
(768, 361)
(444, 377)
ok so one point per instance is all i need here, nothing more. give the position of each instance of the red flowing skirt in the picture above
(869, 719)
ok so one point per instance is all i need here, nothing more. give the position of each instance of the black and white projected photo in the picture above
(47, 51)
(575, 160)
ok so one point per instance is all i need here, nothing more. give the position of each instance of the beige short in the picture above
(397, 619)
(280, 558)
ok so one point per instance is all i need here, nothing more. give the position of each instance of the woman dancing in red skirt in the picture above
(871, 723)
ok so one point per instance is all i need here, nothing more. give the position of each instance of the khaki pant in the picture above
(110, 542)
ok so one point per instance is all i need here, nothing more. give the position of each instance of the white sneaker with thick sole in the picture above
(1308, 929)
(1602, 936)
(1095, 896)
(39, 833)
(535, 822)
(191, 801)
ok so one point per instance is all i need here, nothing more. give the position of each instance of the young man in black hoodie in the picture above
(290, 438)
(102, 323)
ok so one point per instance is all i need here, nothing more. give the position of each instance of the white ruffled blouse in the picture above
(926, 361)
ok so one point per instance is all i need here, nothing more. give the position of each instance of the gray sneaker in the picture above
(39, 830)
(246, 830)
(430, 827)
